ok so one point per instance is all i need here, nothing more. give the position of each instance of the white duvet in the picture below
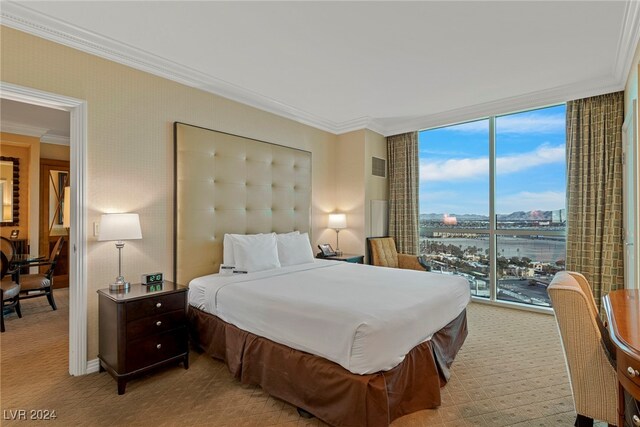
(362, 317)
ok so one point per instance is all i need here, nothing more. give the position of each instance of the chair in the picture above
(7, 247)
(593, 378)
(383, 253)
(9, 290)
(37, 285)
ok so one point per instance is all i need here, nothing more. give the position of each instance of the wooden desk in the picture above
(623, 314)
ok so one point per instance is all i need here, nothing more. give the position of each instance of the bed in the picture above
(351, 344)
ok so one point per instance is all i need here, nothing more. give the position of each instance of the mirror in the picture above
(10, 190)
(58, 179)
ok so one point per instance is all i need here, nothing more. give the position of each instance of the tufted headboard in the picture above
(230, 184)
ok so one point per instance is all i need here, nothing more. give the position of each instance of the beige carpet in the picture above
(509, 372)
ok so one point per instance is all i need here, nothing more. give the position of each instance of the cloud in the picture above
(529, 201)
(518, 123)
(473, 168)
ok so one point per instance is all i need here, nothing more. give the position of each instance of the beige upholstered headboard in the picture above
(230, 184)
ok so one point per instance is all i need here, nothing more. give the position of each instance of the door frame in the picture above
(78, 231)
(630, 160)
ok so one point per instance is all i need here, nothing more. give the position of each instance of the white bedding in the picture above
(362, 317)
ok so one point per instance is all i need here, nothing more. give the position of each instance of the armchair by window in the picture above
(383, 253)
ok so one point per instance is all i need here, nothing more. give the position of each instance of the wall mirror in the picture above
(10, 190)
(58, 179)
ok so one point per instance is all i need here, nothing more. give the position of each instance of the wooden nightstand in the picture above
(142, 329)
(354, 258)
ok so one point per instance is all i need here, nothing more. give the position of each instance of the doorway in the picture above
(78, 214)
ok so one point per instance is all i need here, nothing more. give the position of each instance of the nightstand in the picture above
(142, 329)
(353, 258)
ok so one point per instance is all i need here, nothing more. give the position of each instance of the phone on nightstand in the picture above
(326, 250)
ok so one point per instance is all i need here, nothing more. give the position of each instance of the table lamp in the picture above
(337, 221)
(119, 227)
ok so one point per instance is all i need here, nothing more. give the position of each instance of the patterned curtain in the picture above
(403, 191)
(594, 191)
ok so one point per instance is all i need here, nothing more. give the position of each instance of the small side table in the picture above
(142, 328)
(353, 258)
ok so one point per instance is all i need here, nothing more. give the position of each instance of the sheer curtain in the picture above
(404, 174)
(594, 191)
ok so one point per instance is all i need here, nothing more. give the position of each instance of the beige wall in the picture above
(130, 148)
(54, 151)
(356, 187)
(631, 94)
(350, 191)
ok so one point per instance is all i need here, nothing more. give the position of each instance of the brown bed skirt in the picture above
(324, 388)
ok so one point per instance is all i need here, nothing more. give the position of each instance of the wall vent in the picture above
(378, 167)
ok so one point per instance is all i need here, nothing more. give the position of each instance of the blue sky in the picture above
(530, 164)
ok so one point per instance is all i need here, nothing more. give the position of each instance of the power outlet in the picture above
(96, 229)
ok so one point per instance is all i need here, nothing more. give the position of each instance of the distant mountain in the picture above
(514, 216)
(526, 216)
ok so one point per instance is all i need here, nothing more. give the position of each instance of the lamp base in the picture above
(119, 285)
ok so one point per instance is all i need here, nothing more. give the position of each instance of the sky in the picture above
(530, 164)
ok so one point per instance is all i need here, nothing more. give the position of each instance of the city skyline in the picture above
(530, 164)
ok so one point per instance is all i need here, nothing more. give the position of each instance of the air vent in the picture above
(378, 167)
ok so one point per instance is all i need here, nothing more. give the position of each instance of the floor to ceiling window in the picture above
(492, 203)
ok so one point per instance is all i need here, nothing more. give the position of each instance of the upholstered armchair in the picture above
(383, 253)
(592, 375)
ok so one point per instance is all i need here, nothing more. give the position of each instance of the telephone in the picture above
(326, 250)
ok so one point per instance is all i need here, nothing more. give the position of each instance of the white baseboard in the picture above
(93, 366)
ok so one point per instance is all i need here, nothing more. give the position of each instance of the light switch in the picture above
(96, 229)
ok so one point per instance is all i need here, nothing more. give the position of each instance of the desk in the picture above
(623, 315)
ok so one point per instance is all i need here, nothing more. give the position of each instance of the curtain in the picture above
(594, 191)
(404, 173)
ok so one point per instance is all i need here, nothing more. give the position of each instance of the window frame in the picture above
(493, 231)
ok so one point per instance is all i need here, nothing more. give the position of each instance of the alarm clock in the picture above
(152, 278)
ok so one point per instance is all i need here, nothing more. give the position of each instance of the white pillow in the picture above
(294, 249)
(255, 252)
(227, 246)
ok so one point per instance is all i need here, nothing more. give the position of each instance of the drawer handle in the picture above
(158, 323)
(632, 372)
(158, 305)
(159, 346)
(636, 421)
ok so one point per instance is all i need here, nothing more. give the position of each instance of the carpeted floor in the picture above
(509, 372)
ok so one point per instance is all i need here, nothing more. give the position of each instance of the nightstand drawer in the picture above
(155, 324)
(156, 348)
(155, 305)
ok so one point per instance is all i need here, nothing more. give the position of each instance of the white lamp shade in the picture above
(120, 226)
(66, 208)
(337, 221)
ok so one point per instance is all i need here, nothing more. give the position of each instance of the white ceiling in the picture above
(49, 124)
(339, 66)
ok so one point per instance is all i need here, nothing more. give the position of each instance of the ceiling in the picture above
(48, 124)
(340, 66)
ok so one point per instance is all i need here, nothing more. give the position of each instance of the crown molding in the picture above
(21, 17)
(22, 129)
(629, 37)
(506, 105)
(49, 138)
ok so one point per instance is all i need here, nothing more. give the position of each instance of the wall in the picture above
(350, 193)
(27, 149)
(130, 148)
(356, 186)
(54, 151)
(630, 94)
